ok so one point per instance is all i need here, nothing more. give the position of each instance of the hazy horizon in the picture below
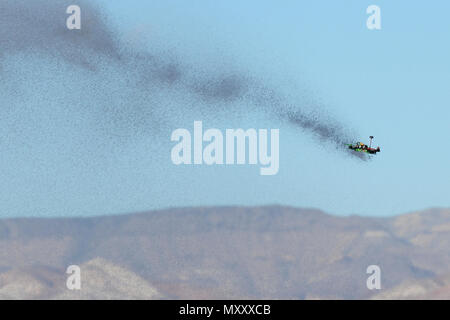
(269, 205)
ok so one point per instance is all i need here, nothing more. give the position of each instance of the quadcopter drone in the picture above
(361, 147)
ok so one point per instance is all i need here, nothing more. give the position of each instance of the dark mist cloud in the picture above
(223, 89)
(38, 27)
(330, 131)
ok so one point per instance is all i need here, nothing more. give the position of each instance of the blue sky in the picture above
(391, 83)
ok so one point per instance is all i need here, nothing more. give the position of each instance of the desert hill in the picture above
(221, 252)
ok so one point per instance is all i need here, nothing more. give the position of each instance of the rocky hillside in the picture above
(222, 252)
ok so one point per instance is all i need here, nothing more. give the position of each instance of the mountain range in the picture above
(268, 252)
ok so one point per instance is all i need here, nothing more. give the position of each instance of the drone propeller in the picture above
(370, 145)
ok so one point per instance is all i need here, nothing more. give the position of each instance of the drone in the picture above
(361, 147)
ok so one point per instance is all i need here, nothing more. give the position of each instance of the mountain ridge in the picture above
(239, 252)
